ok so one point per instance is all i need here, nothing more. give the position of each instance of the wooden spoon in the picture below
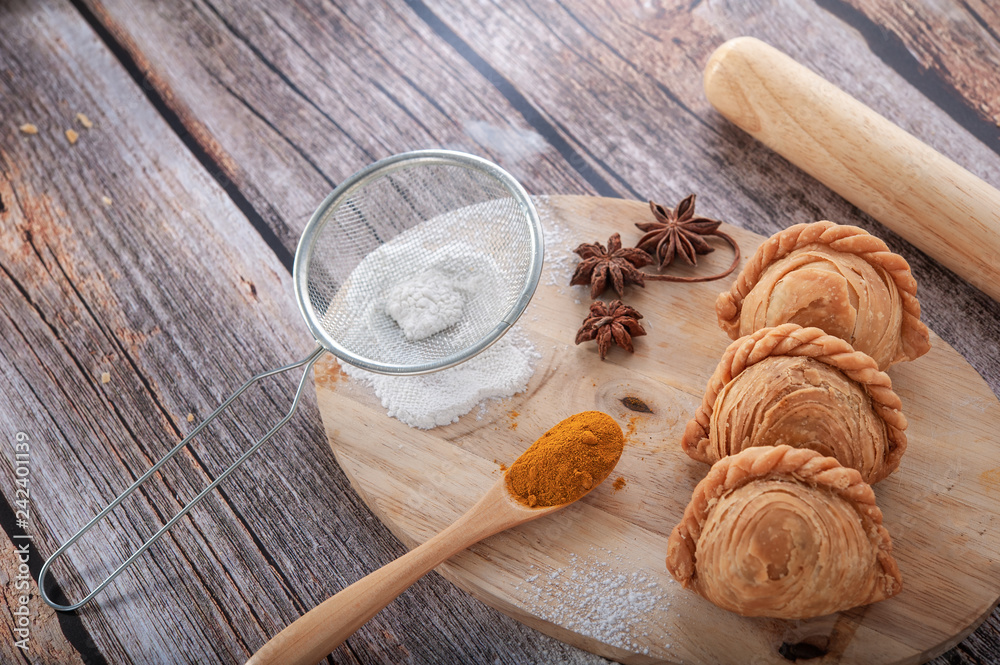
(325, 627)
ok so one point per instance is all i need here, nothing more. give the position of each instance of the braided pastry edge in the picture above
(914, 334)
(803, 465)
(791, 339)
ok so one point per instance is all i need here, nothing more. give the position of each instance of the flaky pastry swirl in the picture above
(786, 533)
(836, 277)
(806, 388)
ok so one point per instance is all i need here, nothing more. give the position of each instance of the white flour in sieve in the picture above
(431, 400)
(436, 298)
(477, 260)
(425, 304)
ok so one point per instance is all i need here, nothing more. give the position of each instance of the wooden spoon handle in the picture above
(325, 627)
(917, 192)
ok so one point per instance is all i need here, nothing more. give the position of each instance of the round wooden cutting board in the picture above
(593, 574)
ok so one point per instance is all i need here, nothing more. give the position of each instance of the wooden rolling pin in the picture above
(902, 182)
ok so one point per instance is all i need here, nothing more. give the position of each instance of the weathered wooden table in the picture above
(145, 262)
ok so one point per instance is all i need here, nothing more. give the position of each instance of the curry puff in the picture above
(803, 388)
(834, 277)
(785, 533)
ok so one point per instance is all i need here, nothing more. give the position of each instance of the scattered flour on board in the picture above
(592, 598)
(560, 261)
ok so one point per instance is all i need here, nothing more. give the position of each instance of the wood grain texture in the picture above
(38, 638)
(244, 115)
(111, 335)
(942, 518)
(289, 100)
(958, 43)
(627, 77)
(136, 289)
(614, 90)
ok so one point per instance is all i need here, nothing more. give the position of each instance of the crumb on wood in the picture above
(71, 136)
(620, 483)
(106, 200)
(190, 417)
(28, 128)
(84, 120)
(630, 429)
(106, 377)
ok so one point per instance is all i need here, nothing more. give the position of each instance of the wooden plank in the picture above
(110, 328)
(288, 100)
(590, 96)
(954, 44)
(168, 294)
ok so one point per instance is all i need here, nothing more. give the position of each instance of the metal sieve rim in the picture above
(319, 219)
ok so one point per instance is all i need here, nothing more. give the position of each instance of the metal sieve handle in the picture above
(308, 362)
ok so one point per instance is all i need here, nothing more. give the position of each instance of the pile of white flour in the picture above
(440, 398)
(424, 305)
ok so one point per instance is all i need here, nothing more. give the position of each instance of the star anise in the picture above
(622, 265)
(677, 231)
(615, 322)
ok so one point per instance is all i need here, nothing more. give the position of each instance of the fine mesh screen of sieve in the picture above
(452, 214)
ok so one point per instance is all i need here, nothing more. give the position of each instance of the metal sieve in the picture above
(457, 215)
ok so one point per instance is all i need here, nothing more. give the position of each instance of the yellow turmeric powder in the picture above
(567, 461)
